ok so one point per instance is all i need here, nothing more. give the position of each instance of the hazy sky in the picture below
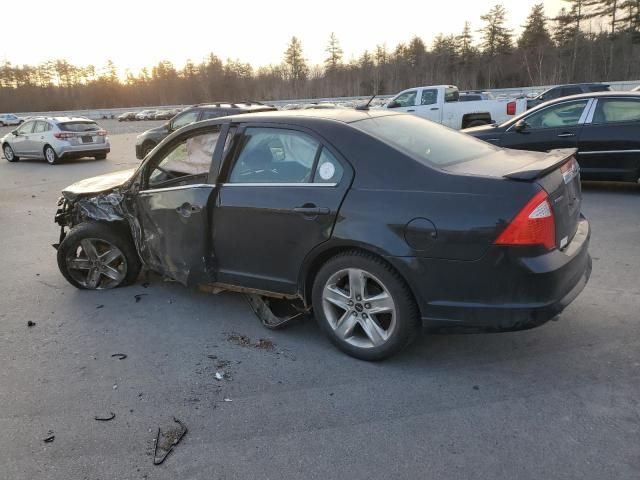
(138, 33)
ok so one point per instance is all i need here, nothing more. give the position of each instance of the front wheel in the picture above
(9, 154)
(364, 306)
(50, 155)
(96, 256)
(146, 148)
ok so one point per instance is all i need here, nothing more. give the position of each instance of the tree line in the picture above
(589, 40)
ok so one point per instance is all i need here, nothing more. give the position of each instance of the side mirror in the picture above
(15, 133)
(168, 126)
(393, 104)
(520, 126)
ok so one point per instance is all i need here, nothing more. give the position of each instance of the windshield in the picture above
(426, 141)
(79, 126)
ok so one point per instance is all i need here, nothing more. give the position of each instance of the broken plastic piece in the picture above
(159, 461)
(31, 324)
(105, 419)
(274, 313)
(119, 356)
(49, 439)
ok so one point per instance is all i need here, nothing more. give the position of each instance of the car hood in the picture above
(481, 129)
(99, 184)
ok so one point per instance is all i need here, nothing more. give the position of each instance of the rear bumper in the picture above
(79, 151)
(506, 289)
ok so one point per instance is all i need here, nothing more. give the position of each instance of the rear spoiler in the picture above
(554, 160)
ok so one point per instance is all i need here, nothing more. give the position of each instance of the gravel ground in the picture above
(556, 402)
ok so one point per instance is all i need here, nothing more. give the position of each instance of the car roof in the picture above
(343, 115)
(245, 106)
(61, 119)
(611, 93)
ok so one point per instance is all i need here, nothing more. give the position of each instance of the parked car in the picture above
(149, 139)
(164, 115)
(440, 104)
(10, 119)
(127, 117)
(376, 220)
(603, 126)
(146, 115)
(55, 138)
(566, 91)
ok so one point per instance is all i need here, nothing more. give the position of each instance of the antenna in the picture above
(365, 106)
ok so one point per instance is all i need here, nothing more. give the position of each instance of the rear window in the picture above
(470, 98)
(79, 126)
(426, 141)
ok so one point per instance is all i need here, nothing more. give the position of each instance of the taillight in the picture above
(63, 135)
(511, 108)
(533, 225)
(102, 133)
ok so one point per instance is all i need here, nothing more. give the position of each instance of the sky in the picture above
(139, 33)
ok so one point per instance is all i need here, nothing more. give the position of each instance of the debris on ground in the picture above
(31, 324)
(146, 284)
(119, 356)
(50, 438)
(99, 307)
(167, 441)
(244, 341)
(107, 418)
(138, 296)
(227, 400)
(115, 387)
(476, 387)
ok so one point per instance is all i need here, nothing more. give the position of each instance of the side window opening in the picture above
(429, 97)
(563, 115)
(273, 155)
(616, 110)
(190, 158)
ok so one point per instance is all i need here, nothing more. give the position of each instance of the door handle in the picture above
(309, 210)
(562, 135)
(434, 108)
(411, 110)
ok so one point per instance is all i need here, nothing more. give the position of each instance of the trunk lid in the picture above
(557, 172)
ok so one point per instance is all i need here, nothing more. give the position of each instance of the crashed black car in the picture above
(379, 221)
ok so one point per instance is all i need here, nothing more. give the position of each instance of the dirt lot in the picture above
(557, 402)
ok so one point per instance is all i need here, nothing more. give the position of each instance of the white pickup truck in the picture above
(439, 103)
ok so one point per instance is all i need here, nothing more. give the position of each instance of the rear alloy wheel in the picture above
(9, 154)
(50, 155)
(364, 306)
(94, 256)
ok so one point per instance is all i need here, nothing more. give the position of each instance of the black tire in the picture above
(50, 155)
(9, 154)
(102, 156)
(476, 123)
(407, 321)
(2, 124)
(147, 147)
(114, 234)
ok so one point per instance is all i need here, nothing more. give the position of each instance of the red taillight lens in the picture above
(63, 135)
(511, 108)
(534, 225)
(102, 133)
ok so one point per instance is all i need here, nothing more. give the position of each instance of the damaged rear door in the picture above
(174, 207)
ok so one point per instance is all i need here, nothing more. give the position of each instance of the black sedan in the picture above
(378, 221)
(604, 127)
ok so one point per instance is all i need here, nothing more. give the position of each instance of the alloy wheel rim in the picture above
(359, 308)
(50, 154)
(96, 264)
(8, 153)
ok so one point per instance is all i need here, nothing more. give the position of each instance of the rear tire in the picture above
(364, 306)
(50, 155)
(102, 156)
(146, 148)
(98, 256)
(9, 154)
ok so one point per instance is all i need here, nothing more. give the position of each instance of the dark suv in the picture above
(565, 91)
(148, 140)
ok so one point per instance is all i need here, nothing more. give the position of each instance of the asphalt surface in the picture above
(557, 402)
